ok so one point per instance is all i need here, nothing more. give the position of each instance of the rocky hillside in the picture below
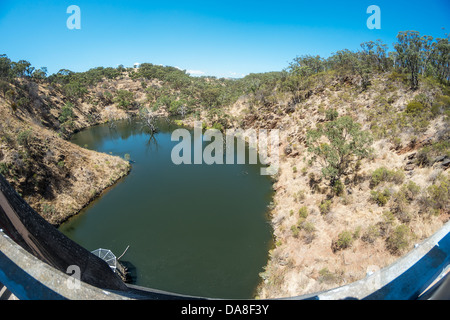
(327, 235)
(56, 177)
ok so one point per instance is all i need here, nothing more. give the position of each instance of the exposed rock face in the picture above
(56, 177)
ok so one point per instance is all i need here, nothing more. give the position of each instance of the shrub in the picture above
(124, 99)
(411, 190)
(218, 126)
(423, 157)
(426, 154)
(383, 174)
(379, 175)
(344, 241)
(401, 202)
(398, 240)
(326, 276)
(338, 188)
(325, 206)
(310, 231)
(303, 212)
(67, 126)
(304, 171)
(380, 197)
(4, 168)
(397, 176)
(66, 113)
(295, 231)
(300, 195)
(48, 210)
(397, 142)
(438, 194)
(308, 226)
(414, 108)
(331, 114)
(23, 137)
(385, 226)
(371, 234)
(313, 182)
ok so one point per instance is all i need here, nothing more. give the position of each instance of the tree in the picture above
(5, 67)
(66, 113)
(337, 144)
(375, 55)
(440, 59)
(74, 90)
(210, 96)
(22, 68)
(306, 65)
(124, 98)
(40, 74)
(409, 47)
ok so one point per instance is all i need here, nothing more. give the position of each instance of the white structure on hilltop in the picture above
(137, 65)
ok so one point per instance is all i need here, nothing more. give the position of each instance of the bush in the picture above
(331, 114)
(411, 190)
(295, 231)
(313, 182)
(303, 212)
(308, 226)
(371, 234)
(414, 108)
(4, 168)
(438, 194)
(397, 176)
(338, 188)
(48, 210)
(423, 157)
(383, 174)
(398, 240)
(385, 226)
(379, 175)
(380, 197)
(344, 241)
(124, 99)
(23, 138)
(310, 231)
(325, 207)
(300, 195)
(218, 126)
(66, 113)
(326, 276)
(426, 154)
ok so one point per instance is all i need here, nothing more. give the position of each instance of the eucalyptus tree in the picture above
(409, 51)
(337, 144)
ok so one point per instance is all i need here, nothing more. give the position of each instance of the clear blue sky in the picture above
(220, 38)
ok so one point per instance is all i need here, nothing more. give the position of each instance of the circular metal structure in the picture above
(107, 256)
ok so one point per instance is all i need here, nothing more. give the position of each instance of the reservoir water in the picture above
(192, 229)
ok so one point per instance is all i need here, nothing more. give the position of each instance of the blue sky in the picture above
(221, 38)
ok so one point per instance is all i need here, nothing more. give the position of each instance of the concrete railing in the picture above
(29, 278)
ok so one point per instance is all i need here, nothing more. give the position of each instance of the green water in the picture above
(192, 229)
